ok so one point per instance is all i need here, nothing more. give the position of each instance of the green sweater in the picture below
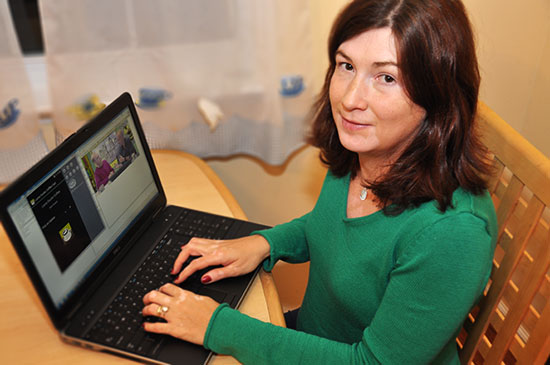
(382, 289)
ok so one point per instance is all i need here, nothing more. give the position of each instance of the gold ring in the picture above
(162, 310)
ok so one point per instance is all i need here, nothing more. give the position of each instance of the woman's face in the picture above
(373, 115)
(96, 160)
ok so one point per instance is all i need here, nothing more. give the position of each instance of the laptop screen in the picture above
(76, 213)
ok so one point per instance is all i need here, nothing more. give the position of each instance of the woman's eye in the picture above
(345, 66)
(387, 79)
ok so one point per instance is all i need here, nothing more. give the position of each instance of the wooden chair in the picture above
(511, 324)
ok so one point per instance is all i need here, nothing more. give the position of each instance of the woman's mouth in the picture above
(352, 125)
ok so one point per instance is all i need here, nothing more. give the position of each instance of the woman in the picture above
(401, 239)
(103, 171)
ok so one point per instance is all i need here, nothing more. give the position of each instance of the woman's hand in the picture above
(237, 257)
(187, 314)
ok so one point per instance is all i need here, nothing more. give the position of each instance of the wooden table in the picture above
(26, 333)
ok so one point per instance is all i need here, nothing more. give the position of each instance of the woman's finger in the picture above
(180, 260)
(171, 290)
(218, 273)
(158, 327)
(155, 310)
(195, 247)
(155, 296)
(199, 264)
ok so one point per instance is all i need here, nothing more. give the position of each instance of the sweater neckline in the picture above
(344, 206)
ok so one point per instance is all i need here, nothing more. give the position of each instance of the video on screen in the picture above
(110, 157)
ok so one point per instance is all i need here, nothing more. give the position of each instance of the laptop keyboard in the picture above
(120, 326)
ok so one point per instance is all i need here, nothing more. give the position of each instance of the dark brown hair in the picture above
(437, 60)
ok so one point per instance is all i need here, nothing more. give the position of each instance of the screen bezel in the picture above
(61, 315)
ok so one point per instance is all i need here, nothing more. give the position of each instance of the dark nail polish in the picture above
(206, 279)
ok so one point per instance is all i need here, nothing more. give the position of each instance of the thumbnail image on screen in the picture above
(110, 157)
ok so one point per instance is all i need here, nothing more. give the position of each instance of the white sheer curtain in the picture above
(249, 58)
(21, 139)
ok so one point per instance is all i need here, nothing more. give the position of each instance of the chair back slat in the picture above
(527, 289)
(540, 339)
(511, 323)
(508, 202)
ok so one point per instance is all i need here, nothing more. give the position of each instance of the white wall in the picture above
(537, 120)
(273, 194)
(514, 55)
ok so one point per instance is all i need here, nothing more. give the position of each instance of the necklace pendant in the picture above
(363, 194)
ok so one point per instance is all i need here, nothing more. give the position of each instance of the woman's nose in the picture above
(355, 96)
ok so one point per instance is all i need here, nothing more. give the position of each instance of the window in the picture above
(26, 20)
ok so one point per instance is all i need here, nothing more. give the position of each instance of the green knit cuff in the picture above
(211, 324)
(272, 259)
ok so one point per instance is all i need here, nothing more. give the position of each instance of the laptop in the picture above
(92, 228)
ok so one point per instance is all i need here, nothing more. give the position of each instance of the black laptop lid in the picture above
(74, 212)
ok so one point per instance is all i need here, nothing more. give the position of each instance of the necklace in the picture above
(363, 194)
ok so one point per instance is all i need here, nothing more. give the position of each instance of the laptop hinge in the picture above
(156, 213)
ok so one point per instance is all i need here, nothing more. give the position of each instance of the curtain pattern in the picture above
(21, 139)
(247, 63)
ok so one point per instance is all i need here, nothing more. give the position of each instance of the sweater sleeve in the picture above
(252, 341)
(437, 277)
(287, 242)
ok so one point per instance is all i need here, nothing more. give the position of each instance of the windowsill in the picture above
(38, 79)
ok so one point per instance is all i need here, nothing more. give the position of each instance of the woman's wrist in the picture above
(211, 324)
